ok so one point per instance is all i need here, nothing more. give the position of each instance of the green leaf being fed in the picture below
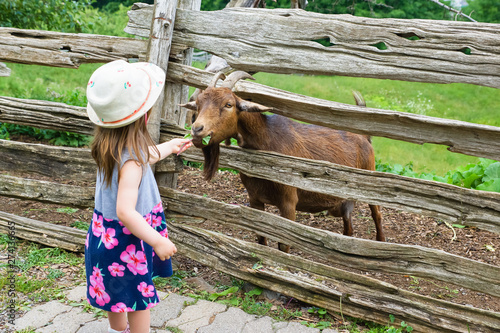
(206, 140)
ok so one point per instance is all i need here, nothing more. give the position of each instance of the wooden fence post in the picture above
(160, 43)
(158, 52)
(176, 94)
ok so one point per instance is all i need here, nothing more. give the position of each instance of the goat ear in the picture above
(248, 106)
(190, 106)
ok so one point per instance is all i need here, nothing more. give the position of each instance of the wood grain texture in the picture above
(343, 250)
(327, 287)
(285, 41)
(45, 114)
(49, 234)
(45, 191)
(49, 48)
(51, 161)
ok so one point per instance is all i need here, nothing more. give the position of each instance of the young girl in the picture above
(127, 243)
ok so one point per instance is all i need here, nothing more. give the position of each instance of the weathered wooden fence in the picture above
(282, 41)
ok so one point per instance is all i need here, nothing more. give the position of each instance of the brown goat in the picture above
(223, 115)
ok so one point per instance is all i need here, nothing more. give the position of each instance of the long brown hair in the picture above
(109, 143)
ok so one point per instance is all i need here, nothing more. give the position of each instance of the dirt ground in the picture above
(400, 227)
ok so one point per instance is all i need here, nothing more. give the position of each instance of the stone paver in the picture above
(173, 312)
(196, 316)
(69, 321)
(231, 321)
(261, 325)
(95, 326)
(77, 294)
(294, 327)
(41, 315)
(168, 308)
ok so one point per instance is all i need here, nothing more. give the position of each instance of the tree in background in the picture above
(113, 6)
(484, 10)
(56, 15)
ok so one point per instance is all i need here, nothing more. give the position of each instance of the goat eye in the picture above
(228, 105)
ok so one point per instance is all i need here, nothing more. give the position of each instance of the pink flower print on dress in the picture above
(116, 269)
(108, 238)
(125, 230)
(157, 221)
(151, 305)
(148, 218)
(158, 208)
(120, 307)
(136, 261)
(97, 291)
(146, 290)
(87, 241)
(97, 275)
(164, 233)
(97, 226)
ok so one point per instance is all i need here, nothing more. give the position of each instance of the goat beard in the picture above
(211, 154)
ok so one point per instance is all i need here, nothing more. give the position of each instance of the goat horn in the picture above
(216, 78)
(234, 77)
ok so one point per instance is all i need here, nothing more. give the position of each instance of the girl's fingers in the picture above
(184, 147)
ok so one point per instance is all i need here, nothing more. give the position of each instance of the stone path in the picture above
(174, 314)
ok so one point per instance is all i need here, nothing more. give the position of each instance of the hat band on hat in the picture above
(138, 109)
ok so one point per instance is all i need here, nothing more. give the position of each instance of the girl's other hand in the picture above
(164, 248)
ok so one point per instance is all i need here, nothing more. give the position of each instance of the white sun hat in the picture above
(119, 93)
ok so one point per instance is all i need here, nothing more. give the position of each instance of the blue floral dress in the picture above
(120, 267)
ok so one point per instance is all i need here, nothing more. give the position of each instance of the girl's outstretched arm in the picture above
(174, 146)
(128, 190)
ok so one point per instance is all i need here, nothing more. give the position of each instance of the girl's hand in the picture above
(164, 248)
(174, 146)
(180, 145)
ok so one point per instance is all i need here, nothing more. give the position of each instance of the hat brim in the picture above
(155, 73)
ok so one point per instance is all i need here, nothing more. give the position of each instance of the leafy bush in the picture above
(484, 175)
(55, 15)
(58, 138)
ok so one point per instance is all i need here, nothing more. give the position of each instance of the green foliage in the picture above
(81, 225)
(58, 138)
(55, 15)
(36, 256)
(380, 9)
(481, 10)
(484, 175)
(484, 10)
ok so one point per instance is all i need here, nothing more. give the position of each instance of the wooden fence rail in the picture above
(284, 41)
(462, 137)
(346, 251)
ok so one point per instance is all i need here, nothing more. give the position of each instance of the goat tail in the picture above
(360, 101)
(211, 154)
